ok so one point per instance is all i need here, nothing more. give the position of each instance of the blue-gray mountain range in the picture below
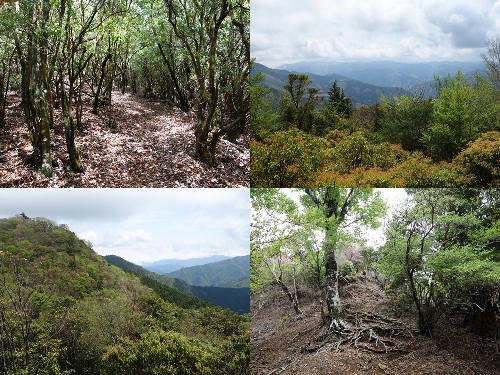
(163, 266)
(388, 73)
(229, 273)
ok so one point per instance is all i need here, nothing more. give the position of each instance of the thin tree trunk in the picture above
(290, 296)
(101, 82)
(69, 129)
(183, 104)
(2, 95)
(5, 87)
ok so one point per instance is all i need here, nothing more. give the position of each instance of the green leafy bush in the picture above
(175, 354)
(405, 119)
(454, 119)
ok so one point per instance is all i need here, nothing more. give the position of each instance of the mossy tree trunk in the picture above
(335, 205)
(35, 86)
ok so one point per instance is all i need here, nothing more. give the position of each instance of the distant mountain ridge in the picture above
(388, 73)
(164, 266)
(226, 273)
(359, 92)
(235, 299)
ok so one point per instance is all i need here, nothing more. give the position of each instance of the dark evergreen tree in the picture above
(342, 103)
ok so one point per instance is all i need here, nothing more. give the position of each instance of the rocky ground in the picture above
(283, 344)
(135, 142)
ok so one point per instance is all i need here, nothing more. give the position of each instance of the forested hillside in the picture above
(124, 93)
(403, 140)
(168, 293)
(234, 271)
(359, 91)
(65, 310)
(326, 300)
(175, 290)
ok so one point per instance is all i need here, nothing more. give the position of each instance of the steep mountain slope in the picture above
(164, 266)
(284, 345)
(221, 274)
(235, 299)
(166, 291)
(64, 309)
(360, 92)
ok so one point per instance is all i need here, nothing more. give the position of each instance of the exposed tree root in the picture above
(365, 332)
(370, 333)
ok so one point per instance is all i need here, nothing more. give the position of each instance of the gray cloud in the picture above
(354, 30)
(143, 224)
(467, 24)
(104, 204)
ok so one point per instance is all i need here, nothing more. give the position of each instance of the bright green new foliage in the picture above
(65, 310)
(435, 257)
(454, 120)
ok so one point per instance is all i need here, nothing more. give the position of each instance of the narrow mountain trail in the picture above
(135, 142)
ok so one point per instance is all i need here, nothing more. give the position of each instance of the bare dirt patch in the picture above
(135, 142)
(283, 344)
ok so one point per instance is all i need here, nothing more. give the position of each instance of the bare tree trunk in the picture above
(2, 95)
(332, 286)
(101, 83)
(69, 129)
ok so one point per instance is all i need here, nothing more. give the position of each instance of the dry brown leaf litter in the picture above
(281, 344)
(133, 143)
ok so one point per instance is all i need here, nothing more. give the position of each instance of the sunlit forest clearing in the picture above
(412, 139)
(124, 93)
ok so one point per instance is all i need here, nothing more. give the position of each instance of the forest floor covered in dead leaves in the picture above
(135, 142)
(282, 344)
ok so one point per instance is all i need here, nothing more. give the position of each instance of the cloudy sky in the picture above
(144, 225)
(286, 31)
